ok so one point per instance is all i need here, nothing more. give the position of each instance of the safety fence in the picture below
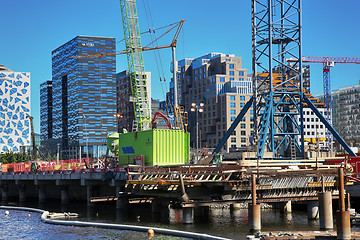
(47, 166)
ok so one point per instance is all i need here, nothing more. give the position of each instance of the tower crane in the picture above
(328, 62)
(173, 43)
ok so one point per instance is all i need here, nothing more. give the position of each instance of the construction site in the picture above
(289, 151)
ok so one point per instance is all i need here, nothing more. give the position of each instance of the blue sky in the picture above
(32, 29)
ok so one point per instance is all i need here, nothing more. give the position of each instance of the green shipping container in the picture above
(158, 146)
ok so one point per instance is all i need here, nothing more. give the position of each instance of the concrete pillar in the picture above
(64, 195)
(121, 203)
(4, 193)
(188, 215)
(156, 206)
(343, 225)
(89, 195)
(22, 193)
(325, 211)
(254, 217)
(254, 209)
(42, 193)
(285, 207)
(235, 206)
(312, 210)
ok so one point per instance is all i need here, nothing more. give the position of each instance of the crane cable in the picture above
(158, 61)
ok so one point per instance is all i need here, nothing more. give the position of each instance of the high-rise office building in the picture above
(346, 114)
(46, 107)
(14, 109)
(216, 86)
(84, 96)
(125, 105)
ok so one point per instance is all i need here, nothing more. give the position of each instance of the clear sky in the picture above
(30, 30)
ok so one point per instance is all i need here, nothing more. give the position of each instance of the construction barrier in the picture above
(74, 165)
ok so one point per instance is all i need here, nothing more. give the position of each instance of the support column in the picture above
(89, 195)
(235, 206)
(312, 210)
(286, 207)
(42, 193)
(188, 215)
(343, 225)
(4, 193)
(22, 193)
(325, 211)
(64, 194)
(156, 205)
(254, 209)
(121, 203)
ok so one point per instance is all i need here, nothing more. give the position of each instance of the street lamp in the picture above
(118, 116)
(197, 108)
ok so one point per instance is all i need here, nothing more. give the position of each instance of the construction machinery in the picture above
(151, 146)
(35, 149)
(278, 89)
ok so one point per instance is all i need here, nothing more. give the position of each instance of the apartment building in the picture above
(216, 86)
(346, 114)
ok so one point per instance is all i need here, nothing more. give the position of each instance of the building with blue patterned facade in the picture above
(14, 109)
(84, 96)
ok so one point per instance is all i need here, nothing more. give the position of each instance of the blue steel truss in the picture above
(327, 100)
(278, 86)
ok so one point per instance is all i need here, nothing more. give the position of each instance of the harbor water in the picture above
(222, 221)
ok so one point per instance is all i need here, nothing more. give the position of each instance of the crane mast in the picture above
(142, 111)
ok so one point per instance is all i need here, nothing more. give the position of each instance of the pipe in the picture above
(116, 226)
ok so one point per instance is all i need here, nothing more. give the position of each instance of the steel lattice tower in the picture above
(278, 86)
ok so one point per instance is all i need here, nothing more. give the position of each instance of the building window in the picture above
(199, 70)
(232, 79)
(233, 133)
(242, 98)
(241, 73)
(204, 75)
(243, 133)
(233, 146)
(242, 105)
(195, 71)
(231, 73)
(242, 125)
(232, 119)
(232, 98)
(213, 80)
(231, 66)
(232, 111)
(222, 79)
(232, 104)
(233, 139)
(243, 140)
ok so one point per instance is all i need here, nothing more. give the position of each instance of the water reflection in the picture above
(226, 222)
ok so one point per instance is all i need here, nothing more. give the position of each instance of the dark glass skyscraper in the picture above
(46, 108)
(84, 96)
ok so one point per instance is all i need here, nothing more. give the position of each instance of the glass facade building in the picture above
(46, 110)
(14, 109)
(84, 96)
